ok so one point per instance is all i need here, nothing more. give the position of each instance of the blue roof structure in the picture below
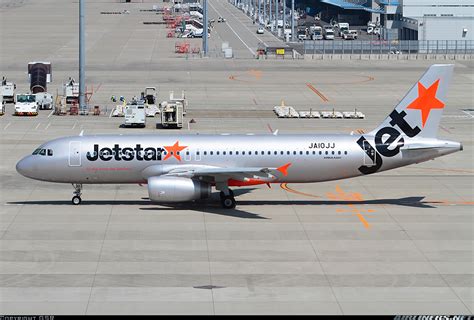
(352, 6)
(389, 2)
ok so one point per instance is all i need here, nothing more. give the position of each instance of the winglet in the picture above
(284, 169)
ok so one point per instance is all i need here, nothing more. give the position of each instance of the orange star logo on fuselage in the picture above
(426, 101)
(174, 151)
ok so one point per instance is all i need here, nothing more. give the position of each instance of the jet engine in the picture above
(177, 189)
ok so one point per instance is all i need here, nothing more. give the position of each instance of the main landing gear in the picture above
(228, 200)
(76, 199)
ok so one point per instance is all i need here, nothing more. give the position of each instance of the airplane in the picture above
(180, 168)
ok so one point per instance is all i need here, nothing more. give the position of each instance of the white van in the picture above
(328, 33)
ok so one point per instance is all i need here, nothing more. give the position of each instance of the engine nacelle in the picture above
(177, 189)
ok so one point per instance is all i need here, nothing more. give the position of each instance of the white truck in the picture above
(44, 100)
(342, 26)
(2, 106)
(328, 33)
(135, 114)
(302, 34)
(71, 91)
(7, 90)
(25, 105)
(316, 32)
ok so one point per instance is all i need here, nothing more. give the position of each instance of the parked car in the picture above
(354, 34)
(260, 30)
(221, 19)
(346, 35)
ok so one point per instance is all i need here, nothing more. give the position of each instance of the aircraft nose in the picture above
(25, 167)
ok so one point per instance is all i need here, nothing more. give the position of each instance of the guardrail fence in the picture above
(388, 47)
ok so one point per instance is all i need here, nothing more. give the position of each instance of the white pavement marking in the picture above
(236, 18)
(469, 113)
(232, 29)
(258, 38)
(7, 126)
(75, 123)
(111, 111)
(47, 126)
(37, 126)
(51, 113)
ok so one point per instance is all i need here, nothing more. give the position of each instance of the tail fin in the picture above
(419, 112)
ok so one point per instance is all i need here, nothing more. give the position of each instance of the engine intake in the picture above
(177, 189)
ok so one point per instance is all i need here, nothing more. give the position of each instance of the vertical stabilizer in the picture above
(419, 112)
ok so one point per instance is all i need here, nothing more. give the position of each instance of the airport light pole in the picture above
(284, 19)
(270, 12)
(204, 30)
(258, 11)
(82, 56)
(264, 10)
(276, 16)
(293, 20)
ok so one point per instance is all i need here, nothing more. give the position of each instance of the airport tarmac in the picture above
(398, 242)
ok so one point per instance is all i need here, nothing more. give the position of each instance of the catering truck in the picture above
(7, 90)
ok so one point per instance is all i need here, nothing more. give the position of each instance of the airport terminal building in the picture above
(405, 19)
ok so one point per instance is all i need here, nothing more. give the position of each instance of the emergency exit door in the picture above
(75, 154)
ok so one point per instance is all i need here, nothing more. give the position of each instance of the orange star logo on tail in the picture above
(174, 151)
(426, 101)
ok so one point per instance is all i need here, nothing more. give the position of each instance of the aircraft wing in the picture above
(237, 173)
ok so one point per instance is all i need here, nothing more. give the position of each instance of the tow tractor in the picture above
(25, 105)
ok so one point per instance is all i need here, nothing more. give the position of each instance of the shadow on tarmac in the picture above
(213, 207)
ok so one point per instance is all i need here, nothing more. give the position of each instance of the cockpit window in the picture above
(43, 152)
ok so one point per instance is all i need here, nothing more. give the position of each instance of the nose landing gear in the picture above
(76, 199)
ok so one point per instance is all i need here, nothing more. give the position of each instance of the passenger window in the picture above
(320, 152)
(314, 152)
(288, 152)
(275, 152)
(230, 152)
(243, 153)
(339, 152)
(269, 152)
(223, 152)
(212, 153)
(294, 152)
(50, 152)
(301, 152)
(262, 153)
(43, 152)
(326, 152)
(281, 152)
(333, 152)
(197, 152)
(205, 153)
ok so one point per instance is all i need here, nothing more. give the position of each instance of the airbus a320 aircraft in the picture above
(180, 168)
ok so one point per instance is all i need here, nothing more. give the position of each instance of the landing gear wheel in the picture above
(76, 200)
(228, 202)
